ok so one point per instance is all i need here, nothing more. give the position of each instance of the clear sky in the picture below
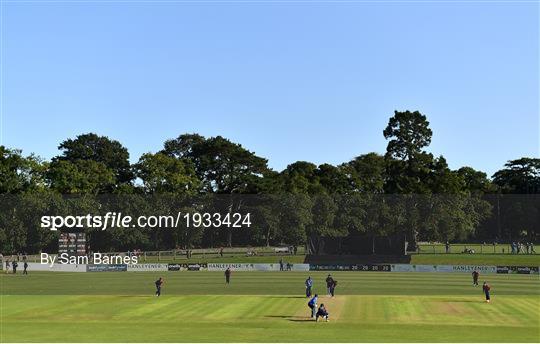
(291, 81)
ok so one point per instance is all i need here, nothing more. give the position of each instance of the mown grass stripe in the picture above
(268, 307)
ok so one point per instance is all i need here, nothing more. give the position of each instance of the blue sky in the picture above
(290, 81)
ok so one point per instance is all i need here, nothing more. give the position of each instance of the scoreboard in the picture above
(74, 244)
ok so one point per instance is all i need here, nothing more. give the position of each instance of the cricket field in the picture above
(266, 307)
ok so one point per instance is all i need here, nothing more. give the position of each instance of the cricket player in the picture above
(159, 283)
(228, 275)
(309, 285)
(312, 304)
(333, 287)
(322, 312)
(486, 288)
(329, 284)
(475, 275)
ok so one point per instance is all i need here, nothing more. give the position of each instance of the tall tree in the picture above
(366, 173)
(301, 177)
(333, 179)
(409, 134)
(19, 173)
(80, 177)
(161, 173)
(223, 166)
(520, 176)
(101, 149)
(408, 165)
(475, 181)
(442, 180)
(295, 217)
(185, 146)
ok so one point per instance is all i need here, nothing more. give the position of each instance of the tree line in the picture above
(406, 191)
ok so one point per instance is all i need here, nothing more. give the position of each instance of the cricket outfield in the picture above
(266, 307)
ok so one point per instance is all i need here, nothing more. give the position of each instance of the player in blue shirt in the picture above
(312, 304)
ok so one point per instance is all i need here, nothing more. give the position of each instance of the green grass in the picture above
(266, 307)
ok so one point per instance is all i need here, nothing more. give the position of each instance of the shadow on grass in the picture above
(302, 320)
(291, 318)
